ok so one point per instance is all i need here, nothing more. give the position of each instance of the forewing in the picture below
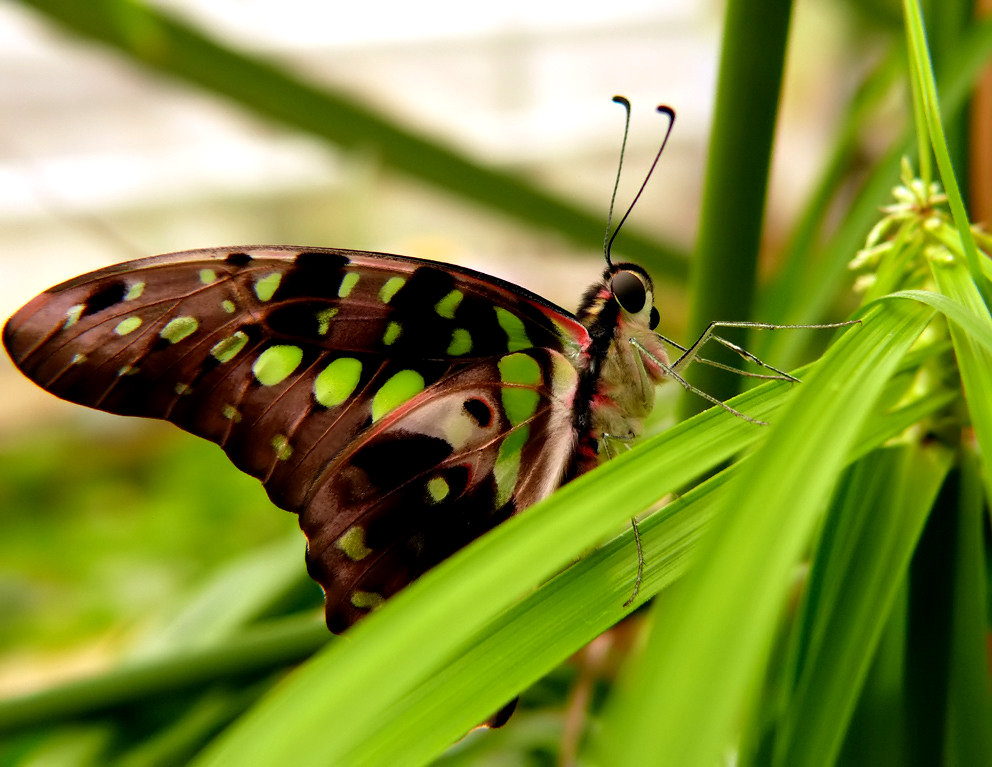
(292, 360)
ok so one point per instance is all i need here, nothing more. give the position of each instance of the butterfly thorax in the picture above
(617, 383)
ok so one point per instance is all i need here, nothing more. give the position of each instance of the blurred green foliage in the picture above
(100, 524)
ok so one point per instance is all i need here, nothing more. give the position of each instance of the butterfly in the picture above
(399, 407)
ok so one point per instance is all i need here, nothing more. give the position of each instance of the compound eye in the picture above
(629, 291)
(655, 318)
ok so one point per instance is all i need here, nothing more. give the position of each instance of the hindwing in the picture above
(433, 475)
(400, 407)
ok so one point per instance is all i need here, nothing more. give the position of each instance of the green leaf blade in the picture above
(858, 577)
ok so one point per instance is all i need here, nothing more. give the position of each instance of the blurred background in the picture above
(107, 524)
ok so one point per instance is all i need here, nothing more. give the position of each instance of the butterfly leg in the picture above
(671, 371)
(692, 353)
(640, 563)
(777, 375)
(625, 441)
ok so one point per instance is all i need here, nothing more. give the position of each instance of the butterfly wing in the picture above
(357, 386)
(436, 473)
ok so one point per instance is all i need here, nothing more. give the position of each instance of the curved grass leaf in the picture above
(969, 697)
(860, 564)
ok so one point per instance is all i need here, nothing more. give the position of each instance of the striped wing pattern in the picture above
(400, 407)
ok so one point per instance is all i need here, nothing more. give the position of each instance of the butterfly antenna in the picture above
(671, 123)
(616, 184)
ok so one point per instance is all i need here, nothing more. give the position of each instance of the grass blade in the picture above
(857, 572)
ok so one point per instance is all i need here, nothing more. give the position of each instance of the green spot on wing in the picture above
(519, 369)
(352, 543)
(335, 383)
(366, 600)
(437, 489)
(507, 467)
(128, 325)
(280, 443)
(461, 342)
(389, 288)
(516, 333)
(398, 389)
(324, 317)
(179, 328)
(228, 306)
(393, 330)
(207, 276)
(347, 284)
(266, 287)
(519, 404)
(72, 315)
(226, 349)
(135, 291)
(276, 363)
(447, 305)
(519, 373)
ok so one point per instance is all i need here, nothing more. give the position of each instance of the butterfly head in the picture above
(634, 293)
(625, 296)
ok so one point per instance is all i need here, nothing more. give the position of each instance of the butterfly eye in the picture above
(655, 318)
(629, 291)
